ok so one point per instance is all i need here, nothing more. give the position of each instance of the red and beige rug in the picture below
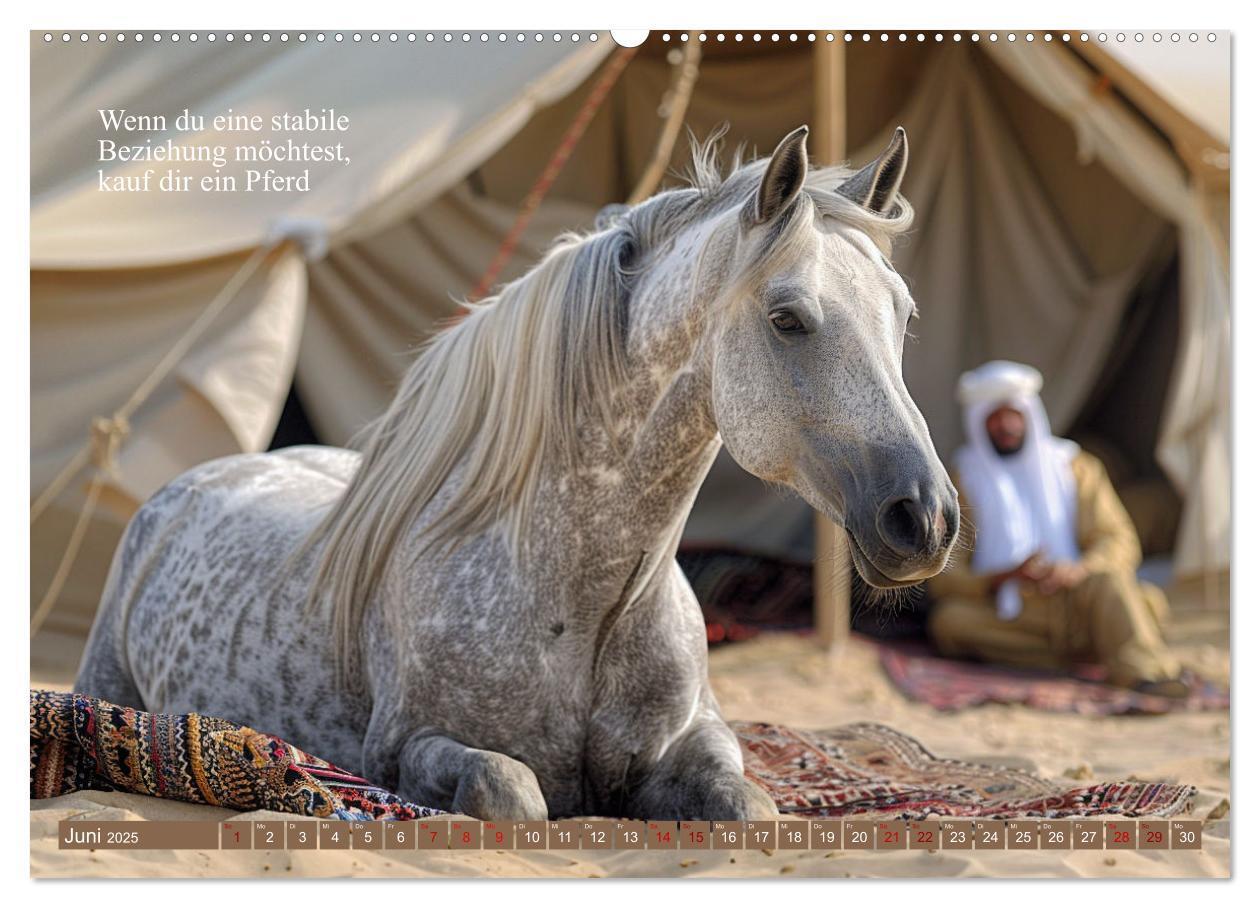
(872, 770)
(949, 684)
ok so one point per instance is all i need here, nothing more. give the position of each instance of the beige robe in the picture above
(1110, 617)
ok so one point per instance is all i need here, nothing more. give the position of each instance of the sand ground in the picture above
(779, 678)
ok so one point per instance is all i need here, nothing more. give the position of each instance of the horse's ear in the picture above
(875, 186)
(782, 181)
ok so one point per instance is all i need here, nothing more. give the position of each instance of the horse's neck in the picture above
(619, 514)
(626, 500)
(667, 438)
(633, 496)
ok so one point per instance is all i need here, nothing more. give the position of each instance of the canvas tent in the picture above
(1046, 199)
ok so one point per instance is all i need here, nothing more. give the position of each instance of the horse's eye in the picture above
(785, 322)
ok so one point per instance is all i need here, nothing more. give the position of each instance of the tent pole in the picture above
(678, 97)
(831, 555)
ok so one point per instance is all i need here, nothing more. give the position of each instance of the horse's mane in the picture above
(493, 396)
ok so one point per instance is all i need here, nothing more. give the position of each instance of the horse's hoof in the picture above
(761, 805)
(496, 787)
(744, 800)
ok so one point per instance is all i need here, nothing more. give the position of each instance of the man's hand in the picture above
(1061, 576)
(1032, 569)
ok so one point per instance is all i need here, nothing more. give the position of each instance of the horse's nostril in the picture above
(903, 525)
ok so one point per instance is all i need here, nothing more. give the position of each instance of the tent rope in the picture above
(108, 433)
(599, 91)
(679, 99)
(168, 362)
(106, 437)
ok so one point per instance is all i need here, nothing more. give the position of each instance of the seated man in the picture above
(1050, 576)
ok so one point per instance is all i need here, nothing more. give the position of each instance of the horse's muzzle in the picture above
(909, 539)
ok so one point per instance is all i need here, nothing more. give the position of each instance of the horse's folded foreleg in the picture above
(438, 772)
(701, 777)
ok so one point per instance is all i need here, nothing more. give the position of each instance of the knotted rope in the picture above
(107, 434)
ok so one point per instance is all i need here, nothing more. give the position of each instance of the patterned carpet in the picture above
(949, 684)
(871, 770)
(81, 743)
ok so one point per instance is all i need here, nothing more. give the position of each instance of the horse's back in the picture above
(212, 569)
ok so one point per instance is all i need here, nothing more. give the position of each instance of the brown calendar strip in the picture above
(655, 835)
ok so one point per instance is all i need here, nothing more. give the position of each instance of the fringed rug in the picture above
(871, 770)
(948, 685)
(82, 743)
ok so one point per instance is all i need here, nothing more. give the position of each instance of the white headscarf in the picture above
(1024, 502)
